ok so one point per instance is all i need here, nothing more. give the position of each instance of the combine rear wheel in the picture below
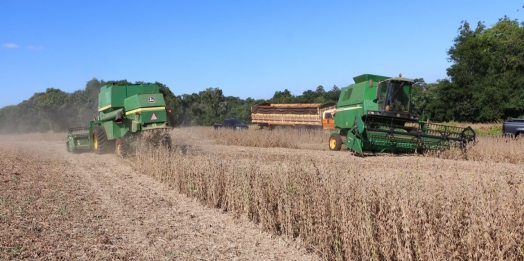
(99, 139)
(122, 147)
(335, 142)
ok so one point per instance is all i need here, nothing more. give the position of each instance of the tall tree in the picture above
(487, 72)
(213, 104)
(282, 97)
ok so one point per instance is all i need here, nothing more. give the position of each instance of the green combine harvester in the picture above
(375, 115)
(124, 113)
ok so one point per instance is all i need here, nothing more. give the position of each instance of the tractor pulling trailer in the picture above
(293, 115)
(124, 113)
(375, 115)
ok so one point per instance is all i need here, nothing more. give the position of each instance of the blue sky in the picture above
(246, 48)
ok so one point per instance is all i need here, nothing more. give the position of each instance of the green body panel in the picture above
(356, 99)
(374, 115)
(78, 143)
(111, 97)
(114, 130)
(139, 107)
(78, 139)
(144, 101)
(112, 115)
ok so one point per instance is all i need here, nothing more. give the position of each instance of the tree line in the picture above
(485, 83)
(55, 110)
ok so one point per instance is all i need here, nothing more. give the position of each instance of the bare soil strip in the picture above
(55, 205)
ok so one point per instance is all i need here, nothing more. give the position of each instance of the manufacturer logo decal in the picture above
(151, 99)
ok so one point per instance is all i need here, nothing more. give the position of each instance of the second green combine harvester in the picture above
(124, 113)
(375, 115)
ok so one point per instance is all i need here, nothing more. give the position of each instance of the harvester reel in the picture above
(99, 139)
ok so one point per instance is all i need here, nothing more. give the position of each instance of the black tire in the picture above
(335, 142)
(99, 139)
(67, 147)
(122, 148)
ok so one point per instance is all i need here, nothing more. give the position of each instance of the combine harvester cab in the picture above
(124, 113)
(375, 115)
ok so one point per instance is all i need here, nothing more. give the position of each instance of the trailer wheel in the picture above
(99, 139)
(335, 142)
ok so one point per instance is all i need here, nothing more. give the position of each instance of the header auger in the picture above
(124, 112)
(375, 115)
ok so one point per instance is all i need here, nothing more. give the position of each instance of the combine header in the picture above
(124, 112)
(375, 115)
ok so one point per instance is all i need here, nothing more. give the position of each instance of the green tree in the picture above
(173, 105)
(282, 97)
(213, 106)
(333, 94)
(487, 72)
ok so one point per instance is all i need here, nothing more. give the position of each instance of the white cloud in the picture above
(35, 48)
(9, 45)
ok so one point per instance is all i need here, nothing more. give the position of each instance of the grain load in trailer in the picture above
(293, 115)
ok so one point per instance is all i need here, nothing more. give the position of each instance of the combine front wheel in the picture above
(335, 142)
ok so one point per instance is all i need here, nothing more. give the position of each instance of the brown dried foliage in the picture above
(388, 207)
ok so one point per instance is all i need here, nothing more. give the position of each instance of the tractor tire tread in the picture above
(101, 137)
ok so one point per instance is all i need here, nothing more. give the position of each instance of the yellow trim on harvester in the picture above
(145, 109)
(105, 107)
